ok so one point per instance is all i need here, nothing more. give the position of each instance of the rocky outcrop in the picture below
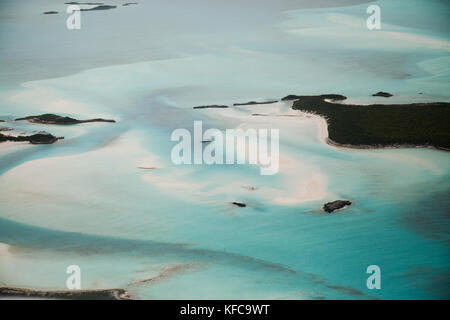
(85, 3)
(51, 12)
(102, 7)
(254, 102)
(107, 294)
(382, 94)
(239, 204)
(335, 205)
(38, 138)
(211, 106)
(55, 119)
(334, 97)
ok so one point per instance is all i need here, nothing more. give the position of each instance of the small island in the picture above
(382, 94)
(238, 204)
(250, 103)
(380, 125)
(49, 118)
(85, 3)
(106, 294)
(38, 138)
(214, 106)
(333, 97)
(335, 205)
(101, 7)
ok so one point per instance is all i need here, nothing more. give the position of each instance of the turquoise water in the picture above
(84, 200)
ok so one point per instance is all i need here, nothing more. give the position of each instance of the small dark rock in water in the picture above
(129, 3)
(382, 94)
(38, 138)
(55, 119)
(335, 205)
(2, 120)
(211, 106)
(51, 12)
(239, 204)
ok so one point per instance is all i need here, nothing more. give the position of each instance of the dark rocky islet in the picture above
(335, 97)
(85, 3)
(213, 106)
(335, 205)
(239, 204)
(38, 138)
(382, 94)
(45, 137)
(250, 103)
(106, 294)
(101, 7)
(49, 118)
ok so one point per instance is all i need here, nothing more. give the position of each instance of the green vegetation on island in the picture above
(380, 125)
(49, 118)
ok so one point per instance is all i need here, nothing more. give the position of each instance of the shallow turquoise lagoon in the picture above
(85, 201)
